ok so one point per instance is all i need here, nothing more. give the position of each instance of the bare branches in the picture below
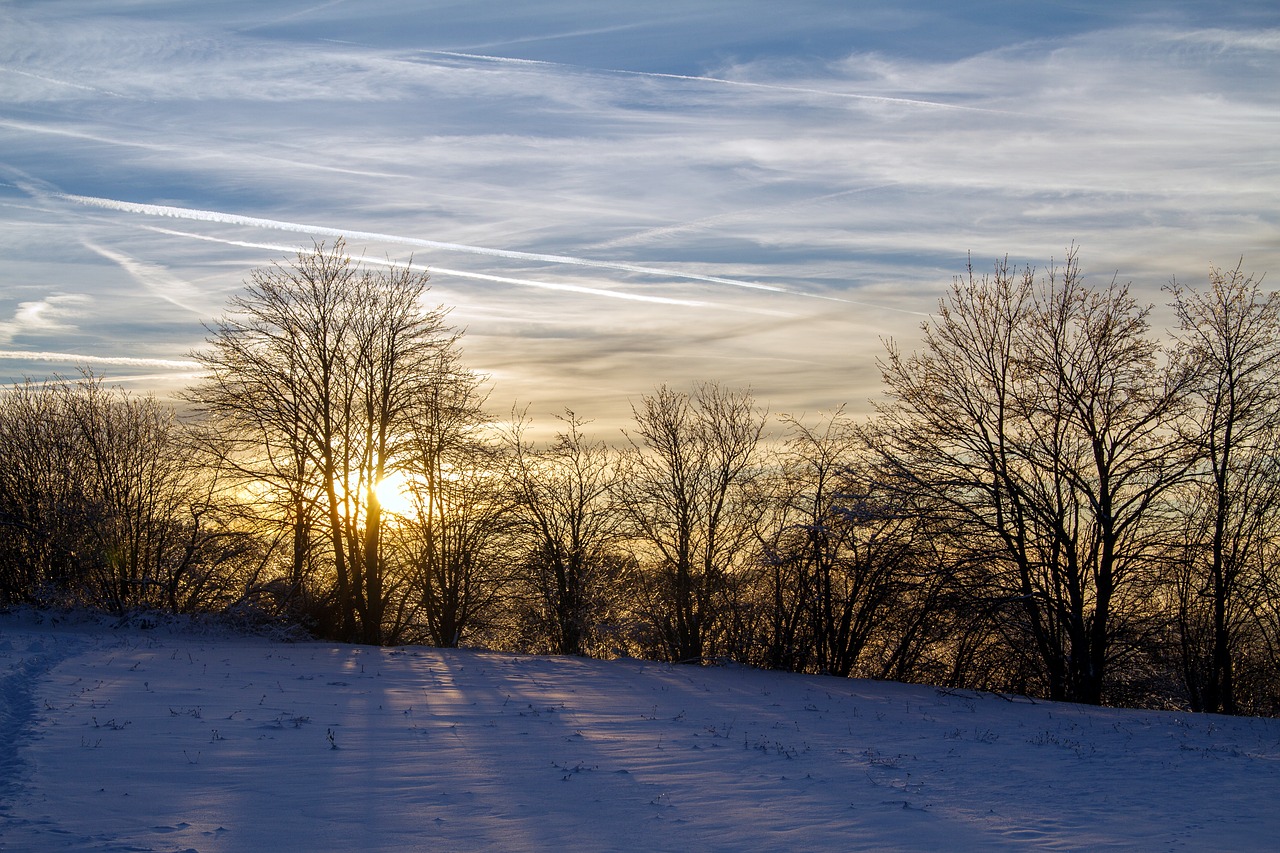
(1038, 419)
(1229, 350)
(685, 492)
(314, 381)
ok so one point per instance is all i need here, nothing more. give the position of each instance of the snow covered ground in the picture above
(181, 738)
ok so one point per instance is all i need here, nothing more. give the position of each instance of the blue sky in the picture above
(614, 196)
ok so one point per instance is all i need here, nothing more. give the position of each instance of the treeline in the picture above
(1051, 499)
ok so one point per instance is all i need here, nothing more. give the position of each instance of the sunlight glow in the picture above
(395, 493)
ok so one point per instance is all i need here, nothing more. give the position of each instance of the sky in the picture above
(615, 196)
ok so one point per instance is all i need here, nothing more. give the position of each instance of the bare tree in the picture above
(137, 487)
(569, 526)
(41, 493)
(457, 536)
(843, 557)
(314, 375)
(1230, 341)
(1038, 422)
(102, 504)
(685, 489)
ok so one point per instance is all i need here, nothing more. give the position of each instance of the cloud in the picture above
(50, 316)
(613, 197)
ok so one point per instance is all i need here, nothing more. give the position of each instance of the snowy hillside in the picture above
(166, 739)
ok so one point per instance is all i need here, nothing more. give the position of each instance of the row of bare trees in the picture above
(99, 502)
(1110, 502)
(1050, 499)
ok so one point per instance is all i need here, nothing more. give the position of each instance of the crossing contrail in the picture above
(724, 81)
(58, 82)
(224, 218)
(523, 282)
(326, 231)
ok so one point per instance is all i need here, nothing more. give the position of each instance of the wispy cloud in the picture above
(615, 197)
(54, 315)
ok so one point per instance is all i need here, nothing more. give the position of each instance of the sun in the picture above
(395, 494)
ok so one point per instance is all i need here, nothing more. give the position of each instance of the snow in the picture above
(178, 737)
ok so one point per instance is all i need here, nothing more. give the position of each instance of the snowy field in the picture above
(177, 739)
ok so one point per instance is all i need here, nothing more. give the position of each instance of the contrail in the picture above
(290, 16)
(524, 282)
(154, 278)
(119, 360)
(179, 149)
(571, 288)
(114, 380)
(28, 127)
(58, 82)
(706, 222)
(279, 225)
(885, 99)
